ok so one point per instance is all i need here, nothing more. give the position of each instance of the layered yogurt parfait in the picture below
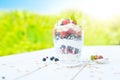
(68, 41)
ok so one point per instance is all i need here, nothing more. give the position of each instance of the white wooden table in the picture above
(29, 66)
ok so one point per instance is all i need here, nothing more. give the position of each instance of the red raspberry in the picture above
(66, 21)
(63, 34)
(71, 31)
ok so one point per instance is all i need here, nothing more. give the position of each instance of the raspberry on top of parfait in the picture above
(67, 29)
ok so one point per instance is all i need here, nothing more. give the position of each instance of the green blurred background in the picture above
(23, 31)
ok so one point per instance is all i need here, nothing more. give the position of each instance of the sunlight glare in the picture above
(101, 9)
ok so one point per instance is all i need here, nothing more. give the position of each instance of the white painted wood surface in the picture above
(29, 66)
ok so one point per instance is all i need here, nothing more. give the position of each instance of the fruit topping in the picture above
(71, 31)
(65, 21)
(63, 34)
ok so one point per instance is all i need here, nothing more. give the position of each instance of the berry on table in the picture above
(44, 59)
(52, 58)
(3, 77)
(96, 57)
(56, 59)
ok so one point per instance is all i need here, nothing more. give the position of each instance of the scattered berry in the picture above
(44, 59)
(52, 58)
(56, 59)
(3, 77)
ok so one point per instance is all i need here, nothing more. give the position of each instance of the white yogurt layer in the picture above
(69, 58)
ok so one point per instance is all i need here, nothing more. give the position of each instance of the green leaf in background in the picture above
(31, 33)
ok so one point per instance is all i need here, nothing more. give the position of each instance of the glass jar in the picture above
(68, 41)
